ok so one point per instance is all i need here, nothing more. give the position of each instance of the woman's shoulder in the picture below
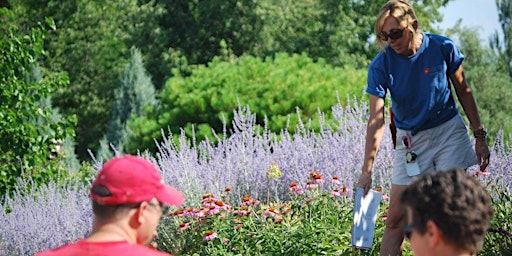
(379, 59)
(438, 39)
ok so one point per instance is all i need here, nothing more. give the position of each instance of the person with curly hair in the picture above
(447, 213)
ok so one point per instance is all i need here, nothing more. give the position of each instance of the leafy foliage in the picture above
(340, 32)
(195, 30)
(491, 86)
(92, 36)
(503, 45)
(273, 88)
(93, 39)
(30, 129)
(303, 225)
(499, 241)
(90, 45)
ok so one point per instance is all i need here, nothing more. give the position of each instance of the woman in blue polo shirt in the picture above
(415, 68)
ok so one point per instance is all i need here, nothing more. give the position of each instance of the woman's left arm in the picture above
(466, 99)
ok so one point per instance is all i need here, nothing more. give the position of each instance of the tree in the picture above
(195, 30)
(93, 38)
(90, 46)
(341, 32)
(135, 92)
(31, 129)
(504, 47)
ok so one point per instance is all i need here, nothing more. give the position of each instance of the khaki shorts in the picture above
(440, 148)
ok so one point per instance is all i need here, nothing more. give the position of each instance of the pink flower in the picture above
(183, 226)
(316, 177)
(318, 181)
(270, 212)
(248, 201)
(210, 235)
(310, 185)
(242, 212)
(200, 213)
(223, 205)
(179, 212)
(190, 212)
(213, 210)
(207, 199)
(345, 191)
(296, 189)
(335, 193)
(278, 219)
(286, 209)
(293, 186)
(335, 180)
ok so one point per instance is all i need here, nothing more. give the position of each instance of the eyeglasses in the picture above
(393, 34)
(163, 207)
(408, 228)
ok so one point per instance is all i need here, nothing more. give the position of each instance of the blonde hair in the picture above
(401, 11)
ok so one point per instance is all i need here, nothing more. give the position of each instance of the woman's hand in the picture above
(482, 153)
(365, 182)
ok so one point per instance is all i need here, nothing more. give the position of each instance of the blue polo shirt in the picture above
(418, 85)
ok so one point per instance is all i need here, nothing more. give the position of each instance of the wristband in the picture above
(480, 133)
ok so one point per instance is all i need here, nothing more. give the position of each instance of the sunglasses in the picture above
(393, 34)
(408, 228)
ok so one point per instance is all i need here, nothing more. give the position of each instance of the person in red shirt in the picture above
(128, 199)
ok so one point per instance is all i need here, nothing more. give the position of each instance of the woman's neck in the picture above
(416, 42)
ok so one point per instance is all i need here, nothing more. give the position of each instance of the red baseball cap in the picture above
(131, 179)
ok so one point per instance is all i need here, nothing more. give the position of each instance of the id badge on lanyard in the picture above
(411, 164)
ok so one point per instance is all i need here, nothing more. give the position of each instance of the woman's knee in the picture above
(395, 219)
(396, 211)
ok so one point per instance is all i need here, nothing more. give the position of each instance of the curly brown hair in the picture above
(456, 202)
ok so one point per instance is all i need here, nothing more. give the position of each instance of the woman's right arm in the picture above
(374, 131)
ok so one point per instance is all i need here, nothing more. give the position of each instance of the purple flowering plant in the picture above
(288, 193)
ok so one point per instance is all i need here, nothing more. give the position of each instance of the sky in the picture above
(474, 13)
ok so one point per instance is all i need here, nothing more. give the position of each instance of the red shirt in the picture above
(82, 248)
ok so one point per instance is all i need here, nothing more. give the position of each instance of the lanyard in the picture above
(406, 139)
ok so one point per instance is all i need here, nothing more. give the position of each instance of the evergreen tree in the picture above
(504, 46)
(134, 92)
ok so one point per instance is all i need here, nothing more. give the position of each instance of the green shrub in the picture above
(273, 88)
